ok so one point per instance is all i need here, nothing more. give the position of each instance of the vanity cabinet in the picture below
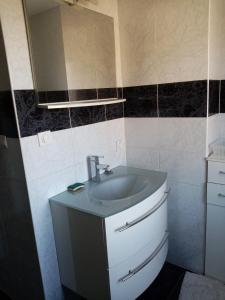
(115, 257)
(215, 229)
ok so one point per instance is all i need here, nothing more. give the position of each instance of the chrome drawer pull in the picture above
(221, 195)
(222, 172)
(146, 215)
(131, 273)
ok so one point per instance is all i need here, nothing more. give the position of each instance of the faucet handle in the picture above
(108, 171)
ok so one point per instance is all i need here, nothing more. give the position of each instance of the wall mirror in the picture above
(72, 51)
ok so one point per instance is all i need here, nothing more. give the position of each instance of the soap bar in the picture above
(76, 186)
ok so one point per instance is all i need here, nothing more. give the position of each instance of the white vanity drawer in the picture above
(129, 279)
(216, 172)
(131, 230)
(216, 194)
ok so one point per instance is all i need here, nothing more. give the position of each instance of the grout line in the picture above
(219, 94)
(105, 113)
(70, 118)
(123, 102)
(157, 87)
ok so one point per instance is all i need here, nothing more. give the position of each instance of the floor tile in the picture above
(167, 284)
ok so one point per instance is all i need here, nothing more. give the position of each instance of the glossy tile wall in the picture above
(216, 70)
(155, 49)
(20, 276)
(175, 142)
(164, 51)
(50, 169)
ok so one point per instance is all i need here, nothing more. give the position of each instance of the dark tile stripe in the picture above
(180, 99)
(107, 93)
(183, 99)
(114, 111)
(120, 93)
(214, 95)
(222, 97)
(85, 94)
(53, 96)
(76, 95)
(141, 101)
(33, 119)
(87, 115)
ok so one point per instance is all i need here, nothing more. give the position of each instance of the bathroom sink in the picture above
(120, 187)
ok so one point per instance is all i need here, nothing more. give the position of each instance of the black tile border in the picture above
(214, 97)
(176, 100)
(114, 111)
(78, 94)
(141, 101)
(53, 96)
(222, 96)
(33, 120)
(179, 99)
(81, 116)
(85, 94)
(105, 93)
(183, 99)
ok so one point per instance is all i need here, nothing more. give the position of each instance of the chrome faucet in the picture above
(94, 168)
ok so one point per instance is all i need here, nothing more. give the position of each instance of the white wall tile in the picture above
(145, 158)
(51, 168)
(137, 40)
(101, 139)
(216, 129)
(14, 31)
(182, 40)
(183, 134)
(186, 218)
(177, 146)
(142, 132)
(183, 166)
(166, 41)
(217, 40)
(213, 132)
(41, 161)
(222, 125)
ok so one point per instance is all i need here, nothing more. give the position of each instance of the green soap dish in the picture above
(75, 187)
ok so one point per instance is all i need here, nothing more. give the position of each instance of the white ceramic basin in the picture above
(120, 187)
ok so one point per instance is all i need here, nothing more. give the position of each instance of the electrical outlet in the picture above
(45, 138)
(3, 141)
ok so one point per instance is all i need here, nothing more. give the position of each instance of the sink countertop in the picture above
(83, 200)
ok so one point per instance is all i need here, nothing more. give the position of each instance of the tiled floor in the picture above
(165, 287)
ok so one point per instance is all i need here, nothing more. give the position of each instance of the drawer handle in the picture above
(146, 215)
(131, 273)
(221, 195)
(222, 172)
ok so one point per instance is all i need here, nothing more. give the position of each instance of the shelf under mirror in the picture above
(81, 103)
